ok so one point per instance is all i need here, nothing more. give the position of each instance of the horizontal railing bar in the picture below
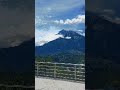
(56, 66)
(66, 70)
(45, 69)
(60, 70)
(60, 63)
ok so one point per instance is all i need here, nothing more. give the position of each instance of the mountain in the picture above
(17, 64)
(102, 52)
(71, 41)
(102, 37)
(19, 58)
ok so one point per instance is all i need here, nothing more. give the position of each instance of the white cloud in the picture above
(81, 32)
(109, 11)
(76, 20)
(67, 37)
(44, 36)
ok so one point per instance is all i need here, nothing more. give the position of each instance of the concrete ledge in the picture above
(51, 84)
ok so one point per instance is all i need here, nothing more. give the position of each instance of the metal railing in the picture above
(66, 71)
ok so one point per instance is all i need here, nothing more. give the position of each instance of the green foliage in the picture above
(45, 59)
(63, 58)
(69, 58)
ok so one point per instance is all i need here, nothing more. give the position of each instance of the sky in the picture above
(51, 16)
(16, 22)
(107, 8)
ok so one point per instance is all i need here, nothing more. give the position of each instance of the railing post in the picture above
(84, 74)
(55, 70)
(75, 72)
(37, 69)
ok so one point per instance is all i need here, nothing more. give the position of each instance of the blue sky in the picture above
(51, 16)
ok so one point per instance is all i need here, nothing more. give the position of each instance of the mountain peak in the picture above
(66, 33)
(70, 33)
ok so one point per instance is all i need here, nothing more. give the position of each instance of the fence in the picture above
(66, 71)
